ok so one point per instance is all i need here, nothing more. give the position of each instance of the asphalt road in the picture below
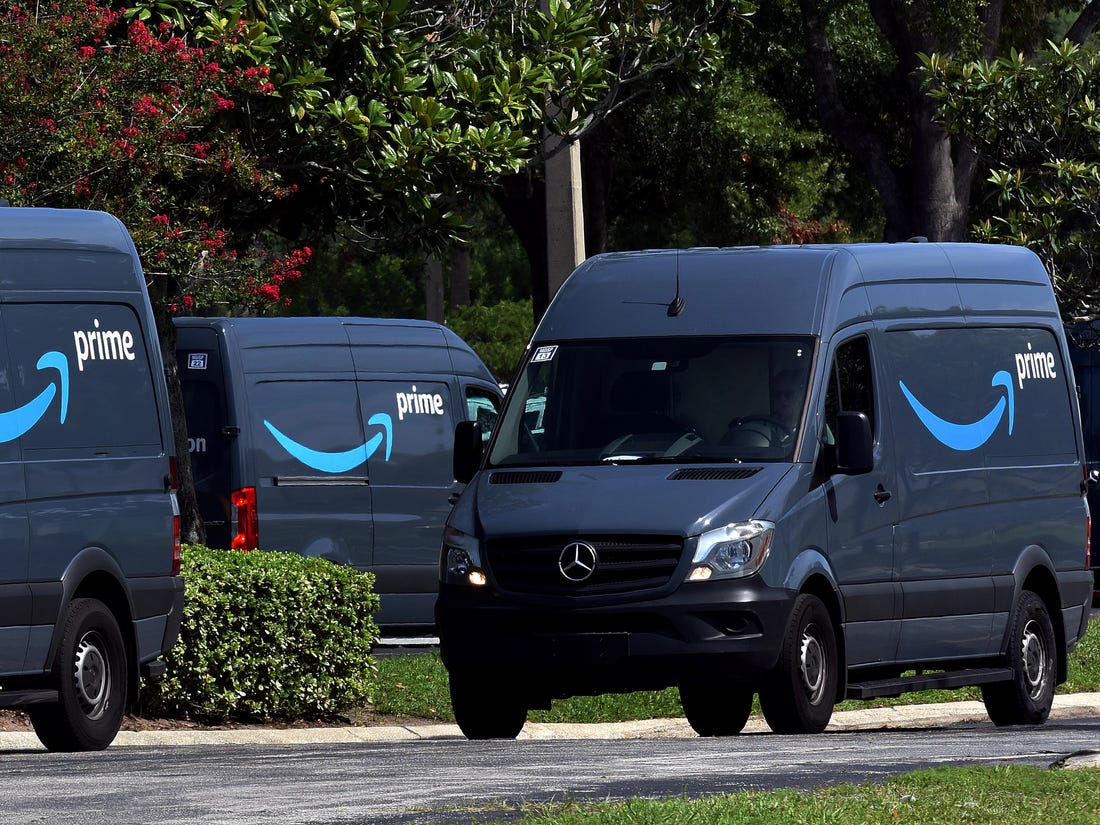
(453, 780)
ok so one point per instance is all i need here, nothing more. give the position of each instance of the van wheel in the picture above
(1028, 697)
(716, 711)
(800, 695)
(484, 709)
(89, 672)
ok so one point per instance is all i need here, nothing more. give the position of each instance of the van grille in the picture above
(626, 564)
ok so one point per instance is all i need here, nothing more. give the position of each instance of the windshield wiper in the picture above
(634, 458)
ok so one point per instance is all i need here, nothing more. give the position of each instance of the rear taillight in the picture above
(173, 487)
(248, 520)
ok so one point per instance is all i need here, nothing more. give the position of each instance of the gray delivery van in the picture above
(90, 592)
(807, 473)
(1084, 353)
(332, 437)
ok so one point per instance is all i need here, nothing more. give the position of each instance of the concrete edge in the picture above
(889, 718)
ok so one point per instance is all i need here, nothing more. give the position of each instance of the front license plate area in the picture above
(589, 647)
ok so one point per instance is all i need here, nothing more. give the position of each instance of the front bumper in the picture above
(706, 632)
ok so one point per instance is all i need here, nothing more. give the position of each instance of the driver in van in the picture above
(777, 426)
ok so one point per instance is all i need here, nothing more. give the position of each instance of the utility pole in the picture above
(564, 204)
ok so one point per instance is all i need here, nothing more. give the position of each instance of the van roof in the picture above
(338, 344)
(42, 228)
(794, 290)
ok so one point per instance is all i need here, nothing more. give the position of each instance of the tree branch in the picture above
(1085, 24)
(853, 135)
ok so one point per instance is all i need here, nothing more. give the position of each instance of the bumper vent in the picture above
(714, 473)
(624, 564)
(526, 477)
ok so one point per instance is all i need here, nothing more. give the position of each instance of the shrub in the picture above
(268, 636)
(498, 334)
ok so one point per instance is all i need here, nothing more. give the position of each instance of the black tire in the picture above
(90, 675)
(801, 692)
(1032, 655)
(716, 711)
(484, 709)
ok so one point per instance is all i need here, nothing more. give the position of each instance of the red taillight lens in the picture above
(248, 520)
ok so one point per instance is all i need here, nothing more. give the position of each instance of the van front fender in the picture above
(811, 572)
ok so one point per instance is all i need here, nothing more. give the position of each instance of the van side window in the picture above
(851, 388)
(482, 407)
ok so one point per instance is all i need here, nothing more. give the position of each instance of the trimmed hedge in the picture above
(268, 635)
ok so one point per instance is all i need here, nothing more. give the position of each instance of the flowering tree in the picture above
(98, 112)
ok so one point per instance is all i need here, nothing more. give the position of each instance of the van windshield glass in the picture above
(656, 400)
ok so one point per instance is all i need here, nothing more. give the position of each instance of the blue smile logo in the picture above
(15, 423)
(339, 462)
(967, 436)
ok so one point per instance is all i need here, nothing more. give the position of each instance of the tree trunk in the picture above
(929, 194)
(192, 529)
(433, 289)
(596, 175)
(459, 273)
(522, 198)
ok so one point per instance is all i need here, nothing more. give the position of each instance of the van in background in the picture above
(1084, 352)
(332, 437)
(809, 473)
(90, 592)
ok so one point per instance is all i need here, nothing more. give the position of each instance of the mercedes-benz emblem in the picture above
(578, 561)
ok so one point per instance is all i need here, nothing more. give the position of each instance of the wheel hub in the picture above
(1034, 659)
(812, 665)
(92, 676)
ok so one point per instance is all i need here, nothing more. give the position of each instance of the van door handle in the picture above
(882, 495)
(452, 499)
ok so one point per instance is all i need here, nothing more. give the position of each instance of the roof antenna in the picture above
(676, 306)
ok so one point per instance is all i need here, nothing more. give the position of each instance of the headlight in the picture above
(460, 560)
(731, 552)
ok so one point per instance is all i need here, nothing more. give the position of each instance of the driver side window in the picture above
(851, 387)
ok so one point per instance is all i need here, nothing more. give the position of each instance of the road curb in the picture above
(897, 717)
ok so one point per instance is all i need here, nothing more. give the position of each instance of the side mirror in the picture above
(468, 450)
(854, 444)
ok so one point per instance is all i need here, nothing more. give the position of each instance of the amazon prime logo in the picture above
(577, 561)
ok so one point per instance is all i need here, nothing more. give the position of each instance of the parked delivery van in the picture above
(807, 473)
(1084, 355)
(332, 437)
(90, 592)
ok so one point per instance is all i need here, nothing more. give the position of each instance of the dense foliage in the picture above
(268, 636)
(98, 112)
(499, 334)
(1036, 122)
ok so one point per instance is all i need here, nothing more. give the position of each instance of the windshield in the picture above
(658, 399)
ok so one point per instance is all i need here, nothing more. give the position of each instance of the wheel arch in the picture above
(1034, 571)
(811, 573)
(94, 574)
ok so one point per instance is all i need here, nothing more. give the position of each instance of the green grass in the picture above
(940, 796)
(416, 686)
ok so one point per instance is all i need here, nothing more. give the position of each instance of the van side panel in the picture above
(412, 484)
(986, 412)
(15, 595)
(310, 456)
